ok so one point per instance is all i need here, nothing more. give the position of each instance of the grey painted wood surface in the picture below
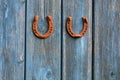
(12, 29)
(43, 56)
(107, 40)
(77, 52)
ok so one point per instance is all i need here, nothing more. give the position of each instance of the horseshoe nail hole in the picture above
(72, 33)
(34, 25)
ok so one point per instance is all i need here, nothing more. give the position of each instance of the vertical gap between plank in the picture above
(61, 39)
(25, 39)
(93, 39)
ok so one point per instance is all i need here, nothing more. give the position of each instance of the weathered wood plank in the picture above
(77, 53)
(43, 56)
(12, 29)
(107, 40)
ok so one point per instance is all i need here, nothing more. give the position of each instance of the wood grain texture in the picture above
(77, 52)
(12, 29)
(107, 40)
(43, 56)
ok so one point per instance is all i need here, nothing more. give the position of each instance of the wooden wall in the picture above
(12, 39)
(106, 40)
(77, 52)
(43, 56)
(95, 56)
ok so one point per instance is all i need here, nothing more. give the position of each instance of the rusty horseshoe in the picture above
(84, 30)
(35, 27)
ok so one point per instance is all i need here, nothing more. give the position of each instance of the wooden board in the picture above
(77, 53)
(43, 56)
(12, 29)
(107, 40)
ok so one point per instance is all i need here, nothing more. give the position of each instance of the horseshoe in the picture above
(84, 30)
(35, 27)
